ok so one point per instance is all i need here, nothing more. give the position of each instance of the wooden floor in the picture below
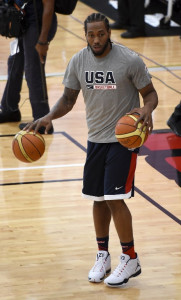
(47, 243)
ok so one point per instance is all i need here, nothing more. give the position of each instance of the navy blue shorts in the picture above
(109, 172)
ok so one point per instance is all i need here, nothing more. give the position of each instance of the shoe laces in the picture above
(99, 264)
(120, 269)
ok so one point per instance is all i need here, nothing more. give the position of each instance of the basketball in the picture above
(27, 146)
(128, 134)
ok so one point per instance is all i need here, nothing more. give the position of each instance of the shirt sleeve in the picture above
(70, 79)
(138, 73)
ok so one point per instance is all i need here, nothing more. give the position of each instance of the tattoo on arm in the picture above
(64, 104)
(69, 98)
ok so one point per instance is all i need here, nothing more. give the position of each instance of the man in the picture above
(41, 26)
(110, 77)
(130, 17)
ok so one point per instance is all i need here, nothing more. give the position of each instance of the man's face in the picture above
(98, 38)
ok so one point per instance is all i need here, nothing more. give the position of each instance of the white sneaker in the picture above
(126, 269)
(101, 267)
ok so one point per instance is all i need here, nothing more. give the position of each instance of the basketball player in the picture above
(111, 78)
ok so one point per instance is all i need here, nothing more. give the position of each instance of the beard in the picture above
(102, 50)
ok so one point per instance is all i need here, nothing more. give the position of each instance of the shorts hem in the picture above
(108, 197)
(118, 196)
(94, 198)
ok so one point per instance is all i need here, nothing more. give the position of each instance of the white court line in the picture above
(5, 77)
(154, 69)
(41, 167)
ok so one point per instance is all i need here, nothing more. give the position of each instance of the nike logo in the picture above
(118, 188)
(89, 87)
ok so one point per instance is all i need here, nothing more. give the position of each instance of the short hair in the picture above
(96, 17)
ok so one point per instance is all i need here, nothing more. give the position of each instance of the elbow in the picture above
(155, 99)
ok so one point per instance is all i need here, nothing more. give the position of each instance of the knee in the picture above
(100, 204)
(116, 205)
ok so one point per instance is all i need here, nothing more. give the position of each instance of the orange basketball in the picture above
(128, 134)
(27, 146)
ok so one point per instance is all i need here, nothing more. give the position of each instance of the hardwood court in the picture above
(47, 237)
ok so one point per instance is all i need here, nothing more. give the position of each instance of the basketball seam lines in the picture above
(33, 145)
(19, 138)
(22, 149)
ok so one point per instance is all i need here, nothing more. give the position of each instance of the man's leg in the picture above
(11, 96)
(129, 265)
(136, 15)
(123, 11)
(102, 218)
(93, 187)
(39, 104)
(122, 21)
(33, 72)
(136, 19)
(122, 219)
(119, 184)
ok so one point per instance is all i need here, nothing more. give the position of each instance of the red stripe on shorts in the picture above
(130, 177)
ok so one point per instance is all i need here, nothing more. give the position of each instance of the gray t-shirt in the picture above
(109, 86)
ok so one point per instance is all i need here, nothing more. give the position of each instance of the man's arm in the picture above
(150, 97)
(150, 100)
(64, 104)
(61, 108)
(42, 44)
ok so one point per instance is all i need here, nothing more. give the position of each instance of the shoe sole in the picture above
(124, 281)
(101, 279)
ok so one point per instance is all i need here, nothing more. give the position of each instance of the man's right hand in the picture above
(44, 121)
